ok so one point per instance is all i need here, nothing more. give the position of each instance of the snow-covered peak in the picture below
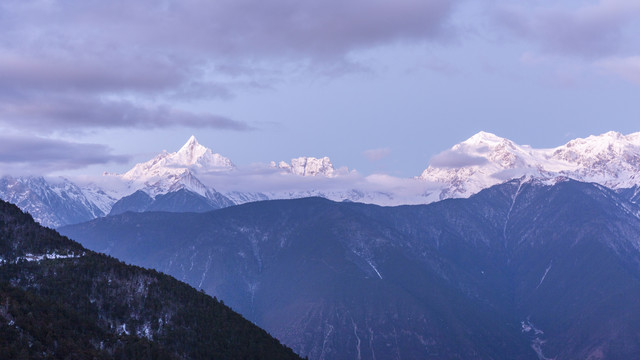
(484, 138)
(611, 159)
(190, 152)
(191, 156)
(167, 171)
(199, 158)
(477, 163)
(308, 166)
(608, 146)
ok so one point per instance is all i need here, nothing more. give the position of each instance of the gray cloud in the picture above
(148, 51)
(63, 113)
(261, 178)
(34, 155)
(455, 159)
(100, 72)
(627, 68)
(594, 30)
(232, 27)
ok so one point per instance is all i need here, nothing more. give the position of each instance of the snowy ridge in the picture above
(52, 202)
(484, 160)
(307, 166)
(173, 172)
(169, 172)
(98, 197)
(353, 195)
(191, 156)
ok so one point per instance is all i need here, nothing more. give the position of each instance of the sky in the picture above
(379, 86)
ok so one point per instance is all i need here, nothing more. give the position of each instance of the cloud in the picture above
(627, 68)
(84, 72)
(34, 155)
(378, 188)
(58, 114)
(455, 159)
(148, 51)
(232, 28)
(376, 154)
(589, 31)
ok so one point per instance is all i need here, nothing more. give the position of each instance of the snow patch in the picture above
(51, 256)
(355, 331)
(536, 338)
(204, 273)
(122, 329)
(374, 269)
(545, 274)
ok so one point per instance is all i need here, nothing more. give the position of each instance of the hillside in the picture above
(523, 270)
(59, 300)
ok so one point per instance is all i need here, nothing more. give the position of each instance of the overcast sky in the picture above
(379, 86)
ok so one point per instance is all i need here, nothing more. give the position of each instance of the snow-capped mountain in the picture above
(610, 159)
(169, 172)
(54, 202)
(175, 173)
(307, 166)
(186, 180)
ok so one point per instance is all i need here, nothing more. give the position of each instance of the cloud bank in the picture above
(94, 64)
(456, 159)
(592, 30)
(39, 156)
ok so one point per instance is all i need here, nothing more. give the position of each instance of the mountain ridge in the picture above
(610, 159)
(483, 160)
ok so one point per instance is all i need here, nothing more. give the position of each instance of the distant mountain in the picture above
(180, 197)
(169, 172)
(484, 160)
(522, 270)
(61, 301)
(188, 179)
(170, 183)
(55, 203)
(307, 166)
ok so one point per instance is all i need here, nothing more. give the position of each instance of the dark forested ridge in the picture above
(523, 270)
(61, 301)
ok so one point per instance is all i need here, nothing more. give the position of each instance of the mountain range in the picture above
(514, 252)
(527, 269)
(190, 179)
(610, 159)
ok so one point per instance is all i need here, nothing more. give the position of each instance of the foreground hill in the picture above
(523, 270)
(59, 300)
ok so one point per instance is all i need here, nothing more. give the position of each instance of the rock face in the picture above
(506, 273)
